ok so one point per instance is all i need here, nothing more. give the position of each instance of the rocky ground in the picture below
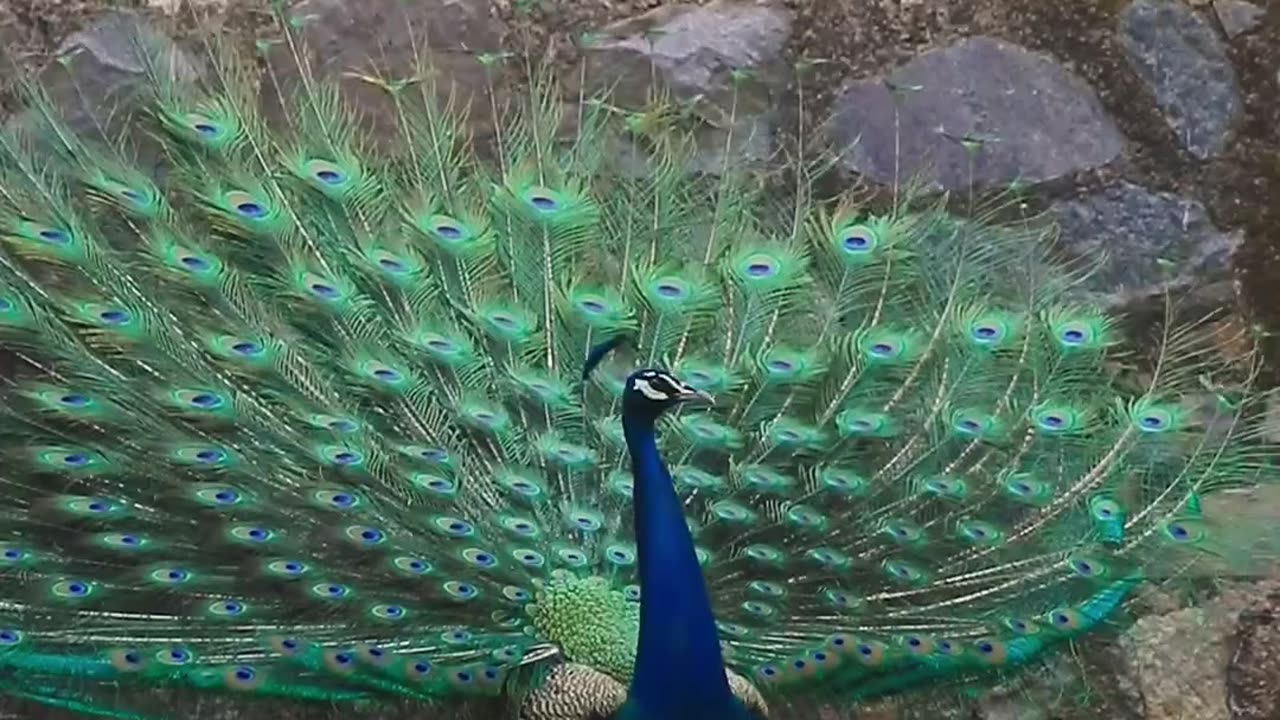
(1149, 128)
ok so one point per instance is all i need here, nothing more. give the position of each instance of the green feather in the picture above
(303, 417)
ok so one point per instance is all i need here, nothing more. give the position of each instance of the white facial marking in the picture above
(649, 391)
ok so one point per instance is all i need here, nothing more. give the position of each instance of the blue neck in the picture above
(679, 672)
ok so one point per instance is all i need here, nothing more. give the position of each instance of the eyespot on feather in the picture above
(127, 660)
(243, 678)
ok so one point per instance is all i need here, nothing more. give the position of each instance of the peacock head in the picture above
(652, 392)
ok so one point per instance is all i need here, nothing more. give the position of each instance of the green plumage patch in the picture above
(593, 623)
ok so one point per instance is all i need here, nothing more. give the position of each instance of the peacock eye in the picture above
(543, 202)
(210, 456)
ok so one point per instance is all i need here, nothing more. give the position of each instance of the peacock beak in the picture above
(696, 396)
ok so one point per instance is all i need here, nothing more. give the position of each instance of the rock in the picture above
(694, 52)
(1250, 533)
(10, 29)
(95, 81)
(1092, 681)
(753, 140)
(1012, 706)
(1185, 64)
(1110, 683)
(1043, 122)
(101, 68)
(1237, 16)
(1031, 695)
(1179, 658)
(1253, 672)
(391, 38)
(1136, 229)
(114, 40)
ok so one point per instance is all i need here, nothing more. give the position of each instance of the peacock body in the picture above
(307, 419)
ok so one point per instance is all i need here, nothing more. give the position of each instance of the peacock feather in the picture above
(322, 420)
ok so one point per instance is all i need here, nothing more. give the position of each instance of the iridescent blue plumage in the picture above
(679, 673)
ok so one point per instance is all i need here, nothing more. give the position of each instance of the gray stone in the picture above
(1250, 533)
(1185, 64)
(99, 71)
(1179, 659)
(1109, 682)
(694, 52)
(436, 41)
(1253, 671)
(1237, 16)
(96, 82)
(752, 139)
(122, 41)
(1151, 242)
(1037, 120)
(11, 31)
(1092, 681)
(1020, 704)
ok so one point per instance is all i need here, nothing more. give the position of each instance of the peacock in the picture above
(318, 416)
